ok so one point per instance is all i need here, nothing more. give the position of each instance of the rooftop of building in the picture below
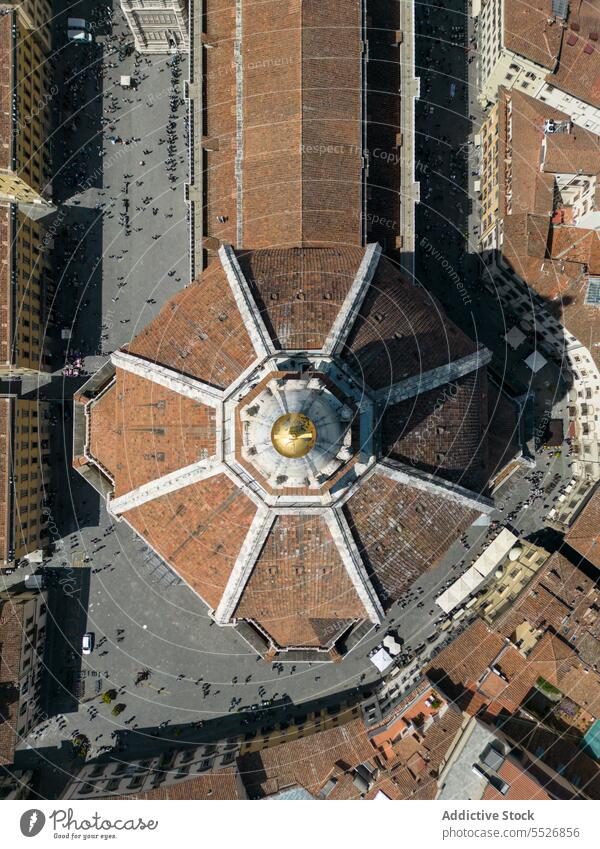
(300, 317)
(284, 137)
(213, 786)
(6, 282)
(498, 775)
(562, 597)
(578, 70)
(154, 432)
(342, 763)
(584, 534)
(531, 30)
(5, 475)
(555, 259)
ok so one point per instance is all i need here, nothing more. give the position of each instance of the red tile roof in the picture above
(11, 641)
(301, 291)
(443, 431)
(213, 786)
(6, 282)
(302, 133)
(578, 71)
(6, 91)
(5, 475)
(402, 532)
(584, 533)
(459, 667)
(401, 331)
(199, 332)
(522, 786)
(299, 590)
(531, 30)
(199, 530)
(140, 431)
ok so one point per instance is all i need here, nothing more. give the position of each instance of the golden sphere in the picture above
(293, 435)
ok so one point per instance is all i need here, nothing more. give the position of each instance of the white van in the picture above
(79, 35)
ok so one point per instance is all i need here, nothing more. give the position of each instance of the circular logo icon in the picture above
(32, 822)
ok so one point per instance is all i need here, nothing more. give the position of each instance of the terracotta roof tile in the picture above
(11, 639)
(220, 123)
(522, 787)
(199, 530)
(584, 533)
(578, 71)
(503, 431)
(528, 31)
(302, 135)
(524, 117)
(217, 785)
(199, 332)
(558, 663)
(402, 532)
(6, 283)
(301, 291)
(140, 431)
(307, 762)
(577, 151)
(5, 475)
(299, 590)
(458, 668)
(558, 752)
(443, 431)
(11, 642)
(9, 717)
(401, 331)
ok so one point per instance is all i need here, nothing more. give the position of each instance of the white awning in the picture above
(495, 552)
(472, 579)
(381, 658)
(392, 645)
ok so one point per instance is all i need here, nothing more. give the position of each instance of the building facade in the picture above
(35, 16)
(26, 93)
(509, 60)
(24, 450)
(24, 272)
(540, 211)
(158, 26)
(545, 49)
(491, 168)
(23, 616)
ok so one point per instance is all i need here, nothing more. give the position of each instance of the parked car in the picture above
(78, 23)
(87, 644)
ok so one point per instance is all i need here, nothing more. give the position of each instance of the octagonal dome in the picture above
(296, 432)
(185, 430)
